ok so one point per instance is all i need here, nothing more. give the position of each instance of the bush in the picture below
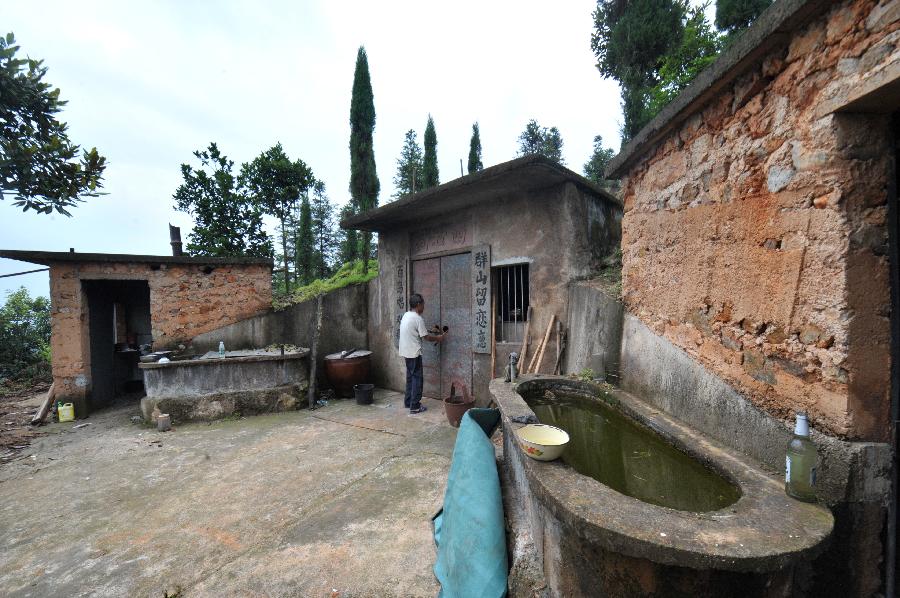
(24, 340)
(350, 273)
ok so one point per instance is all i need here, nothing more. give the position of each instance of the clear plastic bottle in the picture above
(221, 348)
(800, 463)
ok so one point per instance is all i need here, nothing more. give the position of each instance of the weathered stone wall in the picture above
(754, 234)
(185, 300)
(563, 234)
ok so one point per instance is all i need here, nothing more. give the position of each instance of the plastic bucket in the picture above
(365, 393)
(66, 412)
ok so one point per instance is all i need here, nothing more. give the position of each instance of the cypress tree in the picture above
(349, 238)
(409, 167)
(430, 176)
(734, 16)
(475, 151)
(364, 185)
(305, 244)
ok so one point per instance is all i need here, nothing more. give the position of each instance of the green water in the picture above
(612, 449)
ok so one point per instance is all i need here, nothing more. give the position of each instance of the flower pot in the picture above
(456, 407)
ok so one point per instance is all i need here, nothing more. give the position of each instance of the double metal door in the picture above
(446, 284)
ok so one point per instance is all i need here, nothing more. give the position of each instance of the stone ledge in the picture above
(221, 405)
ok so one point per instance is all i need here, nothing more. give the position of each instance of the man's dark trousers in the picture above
(413, 382)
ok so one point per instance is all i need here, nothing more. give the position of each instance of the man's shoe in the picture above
(418, 409)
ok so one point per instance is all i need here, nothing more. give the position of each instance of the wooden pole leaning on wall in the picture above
(524, 350)
(540, 355)
(45, 406)
(313, 358)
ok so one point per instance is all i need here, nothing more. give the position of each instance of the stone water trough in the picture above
(676, 514)
(212, 387)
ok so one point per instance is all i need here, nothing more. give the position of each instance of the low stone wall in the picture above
(344, 326)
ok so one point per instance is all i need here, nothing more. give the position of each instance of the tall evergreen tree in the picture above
(430, 176)
(734, 16)
(323, 233)
(364, 185)
(595, 167)
(305, 244)
(277, 184)
(227, 222)
(409, 167)
(348, 250)
(475, 150)
(630, 41)
(536, 139)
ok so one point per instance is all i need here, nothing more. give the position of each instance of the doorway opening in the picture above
(118, 324)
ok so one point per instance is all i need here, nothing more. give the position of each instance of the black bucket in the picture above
(364, 393)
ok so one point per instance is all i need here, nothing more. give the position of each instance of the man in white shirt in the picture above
(412, 331)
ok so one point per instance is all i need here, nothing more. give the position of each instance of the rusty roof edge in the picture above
(769, 30)
(49, 257)
(459, 184)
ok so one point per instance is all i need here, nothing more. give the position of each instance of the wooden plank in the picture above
(540, 356)
(524, 351)
(45, 406)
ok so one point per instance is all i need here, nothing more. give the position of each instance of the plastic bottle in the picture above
(221, 348)
(800, 463)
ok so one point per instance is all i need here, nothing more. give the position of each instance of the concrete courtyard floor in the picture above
(333, 502)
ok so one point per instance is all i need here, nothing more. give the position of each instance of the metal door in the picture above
(446, 285)
(456, 312)
(426, 280)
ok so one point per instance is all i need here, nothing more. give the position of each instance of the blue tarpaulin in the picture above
(469, 530)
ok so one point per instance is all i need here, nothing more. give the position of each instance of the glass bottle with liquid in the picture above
(800, 463)
(222, 349)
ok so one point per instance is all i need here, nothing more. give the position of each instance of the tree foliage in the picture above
(324, 236)
(39, 165)
(364, 185)
(734, 16)
(536, 139)
(699, 46)
(410, 166)
(227, 222)
(430, 175)
(630, 41)
(348, 242)
(304, 244)
(277, 184)
(475, 163)
(24, 338)
(595, 168)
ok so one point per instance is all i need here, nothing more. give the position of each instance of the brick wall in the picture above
(754, 234)
(185, 300)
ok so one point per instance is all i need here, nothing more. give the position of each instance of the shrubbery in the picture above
(351, 273)
(24, 341)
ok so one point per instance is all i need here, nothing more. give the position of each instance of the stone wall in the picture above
(754, 234)
(344, 327)
(185, 300)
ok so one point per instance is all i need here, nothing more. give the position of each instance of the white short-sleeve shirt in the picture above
(412, 329)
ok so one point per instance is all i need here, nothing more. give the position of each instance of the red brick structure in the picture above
(760, 237)
(166, 300)
(754, 232)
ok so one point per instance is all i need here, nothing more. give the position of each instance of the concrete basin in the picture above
(595, 541)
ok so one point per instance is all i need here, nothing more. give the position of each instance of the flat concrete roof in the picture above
(52, 257)
(773, 28)
(522, 174)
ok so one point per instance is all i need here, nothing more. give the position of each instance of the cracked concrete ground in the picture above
(334, 502)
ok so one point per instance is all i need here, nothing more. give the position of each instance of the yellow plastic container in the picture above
(66, 412)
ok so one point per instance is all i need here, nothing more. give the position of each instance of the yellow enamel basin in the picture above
(542, 442)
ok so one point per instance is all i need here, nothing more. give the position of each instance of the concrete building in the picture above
(485, 250)
(104, 306)
(760, 242)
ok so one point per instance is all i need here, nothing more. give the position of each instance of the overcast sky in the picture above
(150, 82)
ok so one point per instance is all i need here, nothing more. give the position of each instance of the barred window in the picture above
(512, 302)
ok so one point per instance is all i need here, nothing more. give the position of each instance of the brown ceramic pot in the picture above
(345, 372)
(456, 407)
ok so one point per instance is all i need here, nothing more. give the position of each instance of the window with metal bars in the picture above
(511, 301)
